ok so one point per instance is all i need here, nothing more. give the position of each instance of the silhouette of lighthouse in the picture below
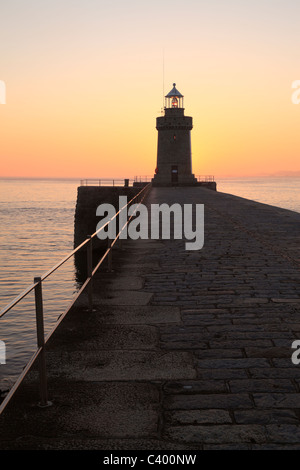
(174, 157)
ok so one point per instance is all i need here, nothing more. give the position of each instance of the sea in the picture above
(37, 231)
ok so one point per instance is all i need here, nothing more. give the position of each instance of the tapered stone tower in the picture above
(174, 158)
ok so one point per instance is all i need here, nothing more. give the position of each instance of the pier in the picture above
(181, 349)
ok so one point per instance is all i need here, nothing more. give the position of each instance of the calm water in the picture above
(281, 192)
(37, 228)
(37, 222)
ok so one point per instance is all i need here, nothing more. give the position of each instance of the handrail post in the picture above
(90, 271)
(41, 342)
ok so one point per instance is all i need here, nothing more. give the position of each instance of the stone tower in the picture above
(174, 158)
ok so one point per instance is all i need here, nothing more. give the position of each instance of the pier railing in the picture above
(205, 178)
(106, 182)
(143, 179)
(200, 179)
(39, 353)
(136, 179)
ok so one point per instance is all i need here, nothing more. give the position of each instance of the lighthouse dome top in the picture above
(174, 99)
(174, 92)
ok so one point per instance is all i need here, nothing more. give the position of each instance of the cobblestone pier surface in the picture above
(184, 349)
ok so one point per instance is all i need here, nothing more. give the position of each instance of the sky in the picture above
(85, 82)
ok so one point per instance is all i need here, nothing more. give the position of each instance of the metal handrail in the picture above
(205, 178)
(105, 182)
(66, 258)
(39, 353)
(143, 179)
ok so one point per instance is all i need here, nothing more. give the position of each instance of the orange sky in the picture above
(85, 84)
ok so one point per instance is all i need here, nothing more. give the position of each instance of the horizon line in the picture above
(287, 174)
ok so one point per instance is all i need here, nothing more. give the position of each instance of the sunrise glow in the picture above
(85, 83)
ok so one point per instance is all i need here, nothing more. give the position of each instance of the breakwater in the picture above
(183, 350)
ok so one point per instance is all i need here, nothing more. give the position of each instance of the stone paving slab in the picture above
(183, 350)
(121, 315)
(126, 297)
(212, 434)
(123, 283)
(113, 409)
(140, 364)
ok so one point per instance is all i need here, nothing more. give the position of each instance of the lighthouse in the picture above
(174, 157)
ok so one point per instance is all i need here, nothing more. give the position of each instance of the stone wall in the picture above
(208, 184)
(88, 199)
